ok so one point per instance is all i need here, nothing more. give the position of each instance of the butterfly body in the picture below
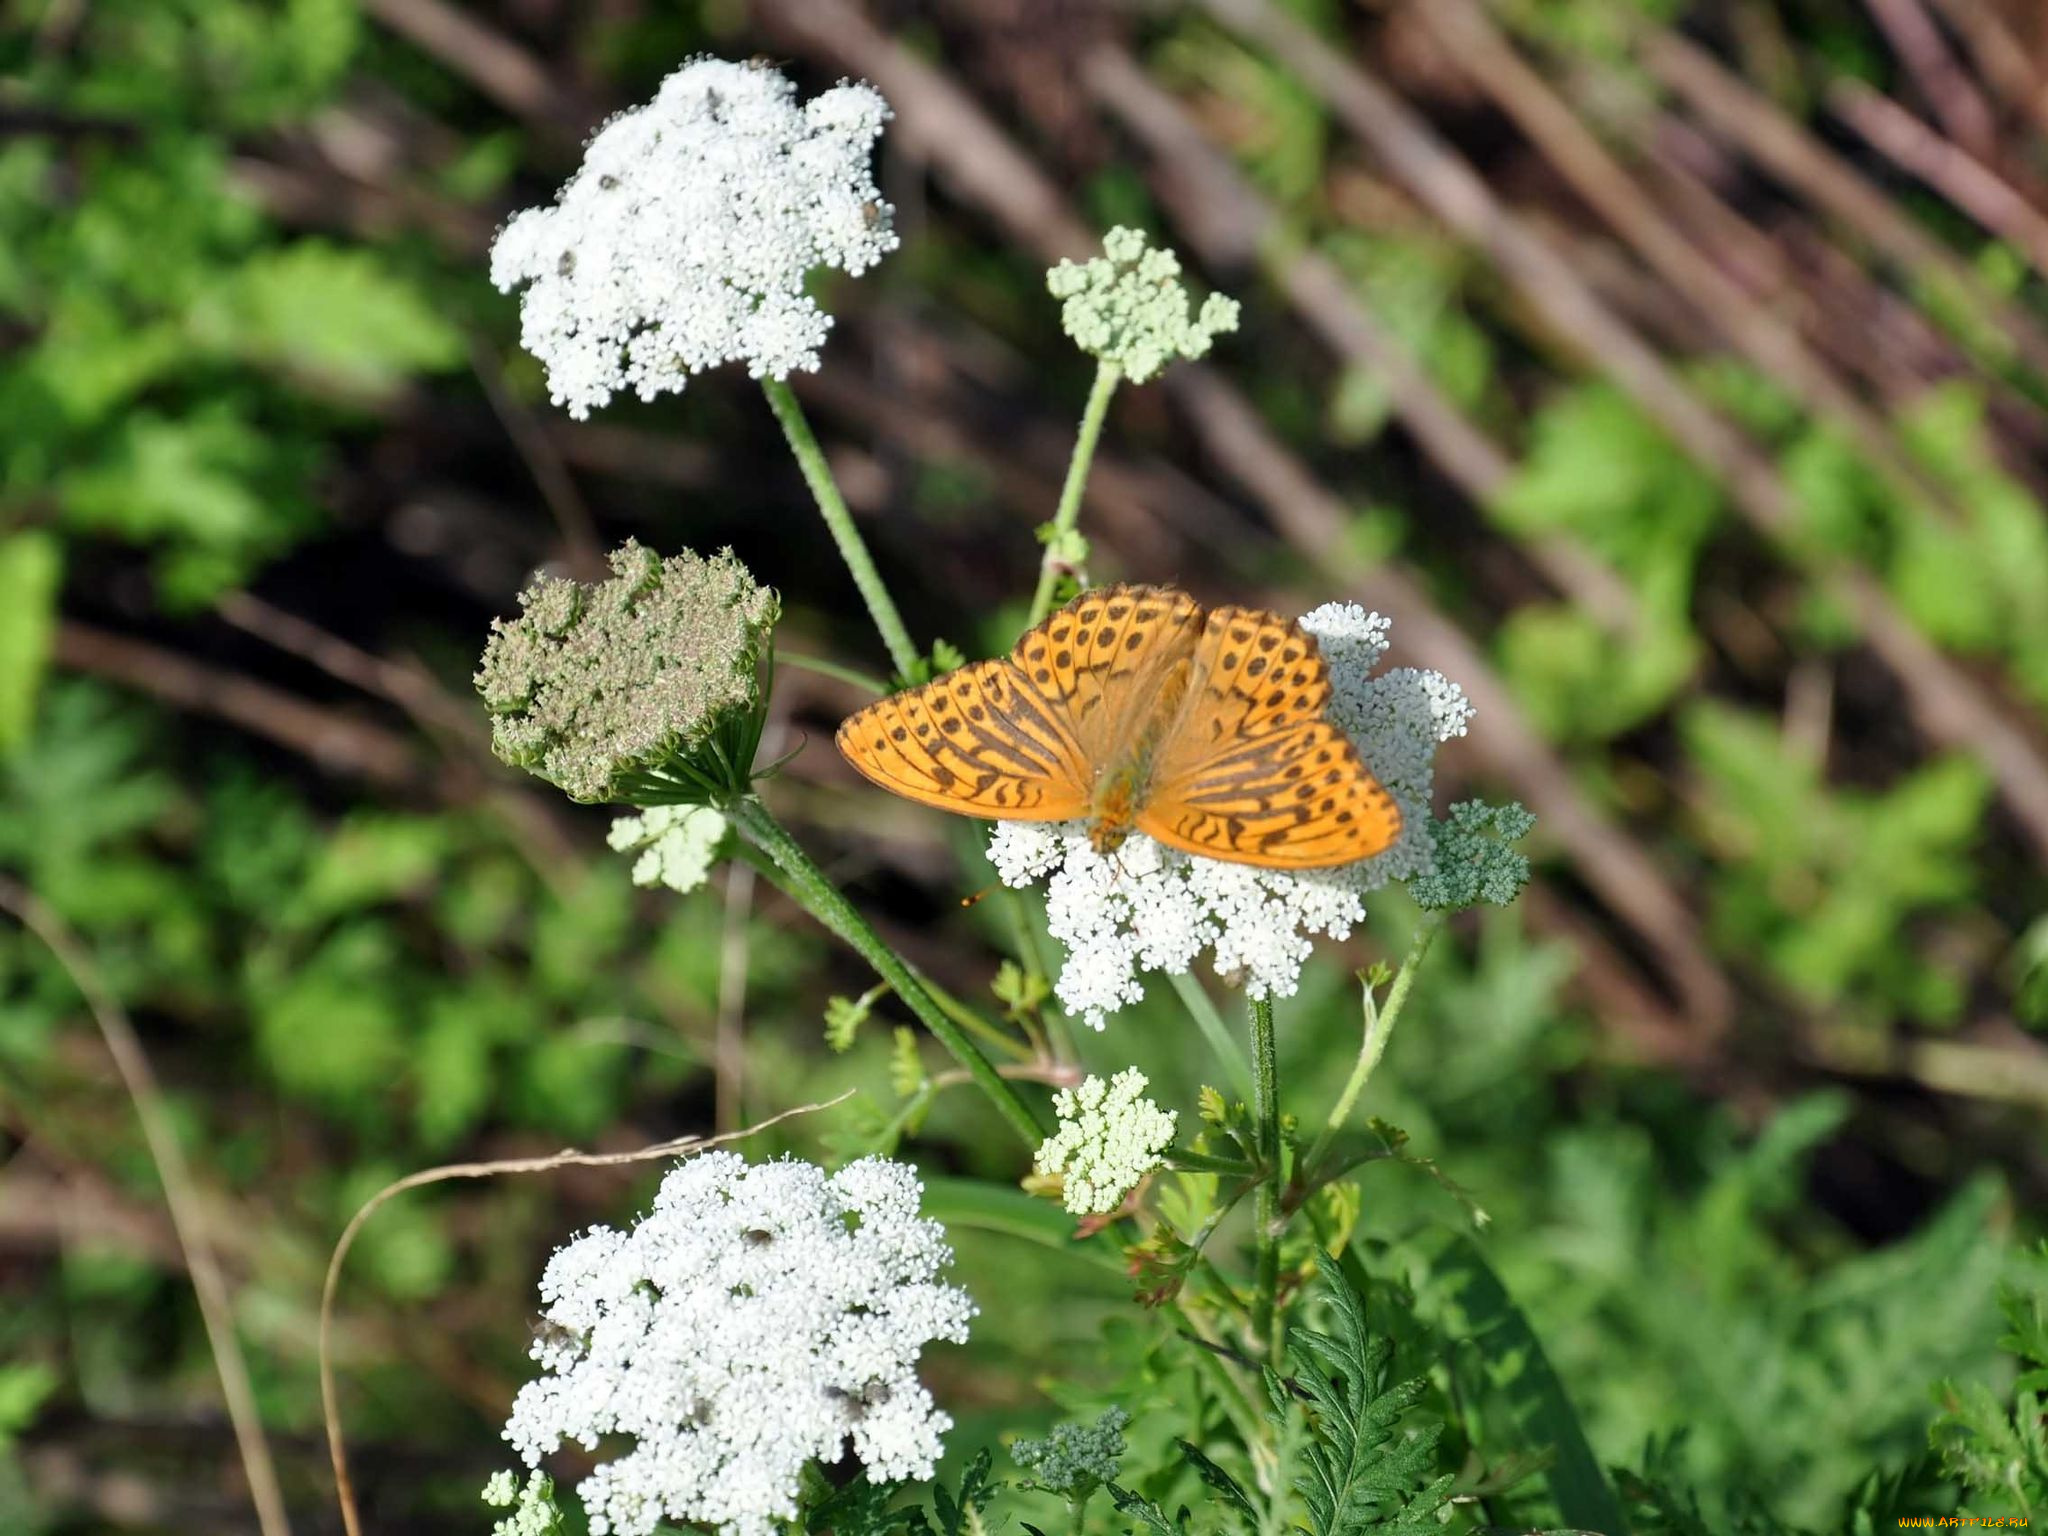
(1134, 709)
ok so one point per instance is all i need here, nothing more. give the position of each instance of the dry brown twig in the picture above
(507, 73)
(1933, 68)
(2001, 57)
(209, 1286)
(330, 1399)
(1492, 62)
(1972, 185)
(331, 738)
(1753, 122)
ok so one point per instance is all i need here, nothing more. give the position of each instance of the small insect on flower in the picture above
(1135, 709)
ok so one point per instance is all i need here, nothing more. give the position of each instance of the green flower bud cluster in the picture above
(649, 688)
(1475, 860)
(1128, 307)
(1076, 1459)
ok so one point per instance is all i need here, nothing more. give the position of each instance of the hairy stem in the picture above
(853, 550)
(1107, 376)
(1379, 1029)
(1266, 1211)
(807, 885)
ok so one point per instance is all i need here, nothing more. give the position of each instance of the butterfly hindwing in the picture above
(982, 741)
(1252, 770)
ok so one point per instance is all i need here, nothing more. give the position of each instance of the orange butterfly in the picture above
(1134, 709)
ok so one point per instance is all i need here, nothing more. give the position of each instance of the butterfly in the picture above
(1135, 709)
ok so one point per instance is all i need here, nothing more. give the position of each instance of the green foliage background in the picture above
(270, 460)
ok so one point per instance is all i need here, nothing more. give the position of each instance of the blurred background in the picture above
(1675, 375)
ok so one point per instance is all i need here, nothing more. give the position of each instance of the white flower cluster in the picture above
(678, 844)
(684, 240)
(1149, 908)
(1109, 1138)
(757, 1318)
(532, 1505)
(1127, 307)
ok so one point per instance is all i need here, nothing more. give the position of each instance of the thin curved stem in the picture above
(1379, 1029)
(330, 1392)
(853, 549)
(807, 885)
(852, 676)
(188, 1223)
(1107, 376)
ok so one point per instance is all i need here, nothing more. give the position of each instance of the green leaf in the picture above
(31, 569)
(959, 1513)
(338, 318)
(1227, 1489)
(1367, 1473)
(906, 1065)
(24, 1388)
(958, 1202)
(845, 1015)
(1148, 1514)
(1515, 1357)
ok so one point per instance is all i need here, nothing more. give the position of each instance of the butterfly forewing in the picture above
(982, 740)
(1102, 657)
(1251, 769)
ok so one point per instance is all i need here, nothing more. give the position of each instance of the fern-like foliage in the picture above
(1999, 1453)
(957, 1514)
(1366, 1474)
(861, 1508)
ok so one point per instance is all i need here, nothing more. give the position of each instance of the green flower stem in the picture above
(1107, 376)
(1202, 1009)
(832, 669)
(1209, 1364)
(1266, 1212)
(1207, 1162)
(971, 1021)
(1379, 1028)
(810, 459)
(808, 886)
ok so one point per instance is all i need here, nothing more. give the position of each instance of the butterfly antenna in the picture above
(968, 901)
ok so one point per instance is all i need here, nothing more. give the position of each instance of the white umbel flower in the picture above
(684, 240)
(1109, 1138)
(678, 844)
(1150, 908)
(757, 1318)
